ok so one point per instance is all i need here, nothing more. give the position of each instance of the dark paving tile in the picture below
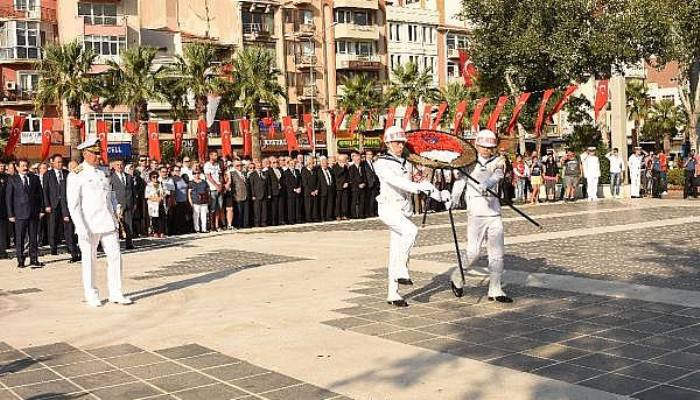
(213, 392)
(582, 327)
(637, 352)
(653, 372)
(665, 342)
(443, 329)
(408, 336)
(347, 323)
(135, 360)
(691, 381)
(619, 384)
(208, 360)
(103, 379)
(49, 349)
(514, 329)
(382, 316)
(695, 349)
(651, 326)
(551, 335)
(265, 383)
(115, 350)
(555, 352)
(156, 370)
(476, 336)
(235, 371)
(514, 344)
(680, 359)
(591, 343)
(666, 392)
(43, 390)
(689, 333)
(29, 377)
(622, 335)
(175, 383)
(72, 357)
(135, 390)
(521, 362)
(83, 368)
(661, 307)
(689, 312)
(376, 329)
(303, 392)
(677, 320)
(413, 322)
(603, 362)
(10, 356)
(567, 372)
(481, 353)
(188, 350)
(444, 345)
(354, 311)
(22, 364)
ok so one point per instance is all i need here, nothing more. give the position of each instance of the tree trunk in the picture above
(667, 142)
(635, 134)
(255, 148)
(140, 140)
(521, 138)
(693, 130)
(74, 113)
(538, 146)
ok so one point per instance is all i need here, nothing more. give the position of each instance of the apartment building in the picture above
(453, 35)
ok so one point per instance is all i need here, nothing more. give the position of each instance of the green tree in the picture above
(361, 93)
(133, 81)
(65, 78)
(256, 84)
(664, 115)
(176, 97)
(637, 107)
(453, 93)
(411, 86)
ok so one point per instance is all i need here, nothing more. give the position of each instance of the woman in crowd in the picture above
(199, 199)
(155, 197)
(551, 175)
(520, 174)
(228, 193)
(535, 178)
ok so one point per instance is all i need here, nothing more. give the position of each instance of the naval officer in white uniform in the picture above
(635, 163)
(484, 213)
(394, 207)
(93, 209)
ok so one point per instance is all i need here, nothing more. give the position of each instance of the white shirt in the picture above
(616, 164)
(214, 171)
(186, 171)
(91, 201)
(395, 184)
(489, 172)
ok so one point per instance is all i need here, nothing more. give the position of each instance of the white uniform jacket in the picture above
(591, 166)
(91, 201)
(488, 171)
(395, 184)
(635, 162)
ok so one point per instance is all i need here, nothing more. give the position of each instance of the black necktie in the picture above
(25, 181)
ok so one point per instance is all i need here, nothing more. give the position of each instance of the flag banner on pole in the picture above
(289, 135)
(244, 126)
(355, 121)
(466, 68)
(425, 121)
(102, 136)
(212, 106)
(178, 130)
(46, 129)
(493, 120)
(477, 113)
(80, 124)
(132, 127)
(540, 115)
(225, 128)
(153, 141)
(560, 104)
(408, 114)
(15, 134)
(269, 124)
(337, 120)
(438, 117)
(460, 110)
(202, 140)
(601, 98)
(390, 116)
(522, 100)
(309, 125)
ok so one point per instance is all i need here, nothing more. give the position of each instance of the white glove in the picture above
(426, 187)
(436, 195)
(446, 196)
(484, 189)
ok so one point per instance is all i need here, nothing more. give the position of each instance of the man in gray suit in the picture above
(123, 187)
(240, 195)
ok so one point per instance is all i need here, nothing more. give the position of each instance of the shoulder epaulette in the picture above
(78, 169)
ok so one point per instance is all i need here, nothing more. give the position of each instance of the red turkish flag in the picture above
(289, 135)
(153, 141)
(466, 68)
(178, 129)
(540, 115)
(425, 121)
(80, 124)
(460, 110)
(355, 121)
(601, 98)
(337, 120)
(308, 124)
(270, 125)
(493, 120)
(46, 129)
(407, 115)
(560, 104)
(225, 128)
(522, 100)
(15, 134)
(438, 117)
(102, 136)
(202, 139)
(477, 113)
(244, 126)
(390, 114)
(132, 127)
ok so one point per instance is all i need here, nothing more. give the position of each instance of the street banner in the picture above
(540, 115)
(132, 127)
(438, 117)
(425, 121)
(225, 128)
(309, 125)
(80, 124)
(15, 134)
(493, 120)
(477, 113)
(289, 135)
(46, 129)
(560, 104)
(202, 140)
(244, 126)
(337, 120)
(178, 129)
(102, 136)
(355, 121)
(460, 110)
(153, 141)
(522, 100)
(408, 114)
(390, 116)
(601, 98)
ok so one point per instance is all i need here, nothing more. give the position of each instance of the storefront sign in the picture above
(367, 143)
(30, 138)
(119, 150)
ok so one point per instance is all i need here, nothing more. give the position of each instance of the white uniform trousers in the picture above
(592, 188)
(491, 229)
(403, 235)
(635, 182)
(110, 245)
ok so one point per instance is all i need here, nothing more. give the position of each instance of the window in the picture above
(115, 122)
(341, 47)
(98, 13)
(362, 18)
(306, 17)
(394, 32)
(343, 16)
(457, 42)
(254, 23)
(355, 48)
(25, 5)
(307, 48)
(365, 48)
(425, 34)
(412, 33)
(291, 79)
(452, 69)
(19, 39)
(392, 62)
(28, 81)
(105, 45)
(32, 124)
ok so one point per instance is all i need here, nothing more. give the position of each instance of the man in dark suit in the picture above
(274, 187)
(326, 191)
(342, 187)
(123, 188)
(292, 187)
(309, 186)
(3, 211)
(358, 187)
(56, 208)
(25, 203)
(258, 189)
(372, 184)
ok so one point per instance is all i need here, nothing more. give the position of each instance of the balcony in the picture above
(306, 30)
(104, 25)
(258, 31)
(358, 62)
(307, 92)
(452, 53)
(305, 61)
(353, 31)
(29, 13)
(10, 55)
(17, 97)
(365, 4)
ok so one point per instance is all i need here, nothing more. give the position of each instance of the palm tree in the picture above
(454, 93)
(175, 96)
(665, 115)
(256, 81)
(410, 86)
(637, 107)
(133, 82)
(65, 80)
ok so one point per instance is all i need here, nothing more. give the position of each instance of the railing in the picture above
(257, 28)
(109, 20)
(307, 91)
(17, 95)
(34, 13)
(307, 29)
(305, 59)
(20, 53)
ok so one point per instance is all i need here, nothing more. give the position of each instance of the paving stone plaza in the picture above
(607, 306)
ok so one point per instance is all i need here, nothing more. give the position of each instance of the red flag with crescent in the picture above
(390, 116)
(477, 113)
(408, 114)
(178, 129)
(560, 104)
(225, 128)
(80, 124)
(540, 115)
(102, 136)
(467, 68)
(601, 98)
(493, 120)
(15, 134)
(202, 139)
(244, 126)
(337, 120)
(46, 129)
(355, 121)
(309, 125)
(460, 110)
(132, 127)
(153, 141)
(289, 135)
(425, 121)
(269, 124)
(438, 117)
(522, 100)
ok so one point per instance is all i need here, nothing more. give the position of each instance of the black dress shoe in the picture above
(54, 252)
(21, 265)
(458, 292)
(501, 299)
(74, 259)
(404, 281)
(129, 247)
(398, 303)
(36, 264)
